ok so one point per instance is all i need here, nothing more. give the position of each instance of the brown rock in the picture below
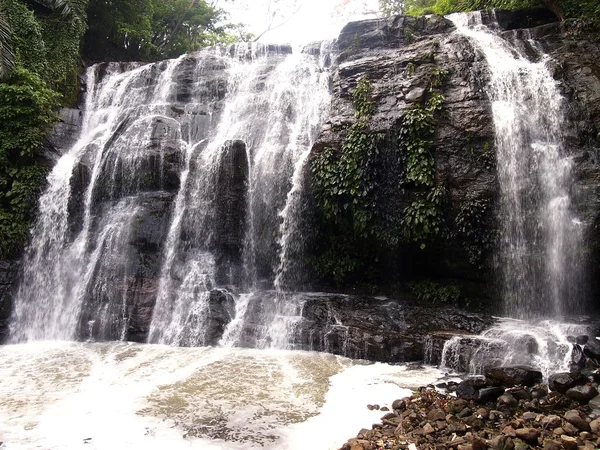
(595, 425)
(356, 446)
(502, 442)
(558, 431)
(465, 447)
(520, 445)
(528, 434)
(570, 429)
(478, 443)
(551, 422)
(482, 413)
(436, 414)
(568, 442)
(575, 418)
(509, 431)
(549, 444)
(529, 416)
(428, 429)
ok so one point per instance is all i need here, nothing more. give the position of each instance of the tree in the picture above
(149, 30)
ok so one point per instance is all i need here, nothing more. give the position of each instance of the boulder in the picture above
(574, 417)
(582, 394)
(510, 376)
(563, 381)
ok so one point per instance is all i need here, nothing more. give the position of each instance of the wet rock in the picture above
(468, 388)
(577, 420)
(582, 394)
(513, 375)
(520, 445)
(507, 400)
(562, 382)
(539, 392)
(486, 395)
(399, 404)
(582, 340)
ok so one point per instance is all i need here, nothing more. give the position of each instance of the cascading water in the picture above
(540, 237)
(213, 145)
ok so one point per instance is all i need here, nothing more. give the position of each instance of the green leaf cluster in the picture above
(474, 228)
(342, 180)
(433, 292)
(26, 116)
(422, 218)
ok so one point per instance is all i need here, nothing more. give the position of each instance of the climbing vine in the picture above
(422, 219)
(342, 181)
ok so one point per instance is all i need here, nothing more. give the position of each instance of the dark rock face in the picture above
(231, 190)
(392, 330)
(9, 275)
(397, 55)
(514, 375)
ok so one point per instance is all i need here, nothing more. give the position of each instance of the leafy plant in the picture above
(433, 292)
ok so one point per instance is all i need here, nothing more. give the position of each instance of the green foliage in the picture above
(433, 292)
(338, 261)
(153, 29)
(473, 226)
(26, 116)
(423, 218)
(46, 40)
(418, 126)
(342, 180)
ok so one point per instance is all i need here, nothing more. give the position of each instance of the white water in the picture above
(540, 249)
(118, 395)
(543, 345)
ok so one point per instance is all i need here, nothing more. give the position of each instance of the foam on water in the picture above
(59, 395)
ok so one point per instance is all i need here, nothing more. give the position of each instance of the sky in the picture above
(309, 20)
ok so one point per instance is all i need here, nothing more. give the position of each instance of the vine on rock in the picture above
(422, 219)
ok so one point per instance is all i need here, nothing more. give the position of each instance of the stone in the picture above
(550, 444)
(575, 418)
(595, 403)
(529, 416)
(568, 442)
(529, 435)
(399, 404)
(491, 394)
(509, 431)
(551, 422)
(502, 442)
(539, 392)
(415, 95)
(507, 400)
(478, 443)
(482, 413)
(436, 414)
(582, 394)
(520, 445)
(563, 381)
(595, 426)
(428, 429)
(582, 340)
(510, 376)
(570, 429)
(468, 389)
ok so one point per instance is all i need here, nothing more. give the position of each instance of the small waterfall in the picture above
(544, 345)
(540, 237)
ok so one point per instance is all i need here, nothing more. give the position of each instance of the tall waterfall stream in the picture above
(204, 158)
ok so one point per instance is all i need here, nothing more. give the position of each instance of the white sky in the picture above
(315, 20)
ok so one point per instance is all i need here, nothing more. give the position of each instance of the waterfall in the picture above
(540, 237)
(184, 183)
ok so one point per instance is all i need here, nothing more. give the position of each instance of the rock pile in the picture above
(508, 409)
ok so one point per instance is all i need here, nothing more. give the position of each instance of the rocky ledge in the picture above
(481, 413)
